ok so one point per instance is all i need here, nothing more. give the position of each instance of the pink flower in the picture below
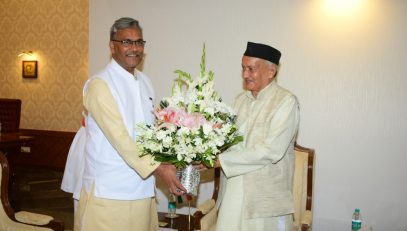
(170, 115)
(194, 120)
(217, 125)
(178, 117)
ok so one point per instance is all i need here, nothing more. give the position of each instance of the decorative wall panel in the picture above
(57, 32)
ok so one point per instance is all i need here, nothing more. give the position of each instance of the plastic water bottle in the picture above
(172, 206)
(356, 220)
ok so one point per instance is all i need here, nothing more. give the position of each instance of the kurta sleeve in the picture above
(100, 104)
(270, 147)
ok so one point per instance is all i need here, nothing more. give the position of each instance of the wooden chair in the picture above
(10, 112)
(24, 221)
(302, 187)
(205, 217)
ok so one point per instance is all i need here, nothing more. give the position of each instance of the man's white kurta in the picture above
(117, 182)
(112, 162)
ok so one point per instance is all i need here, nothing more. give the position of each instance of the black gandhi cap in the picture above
(263, 51)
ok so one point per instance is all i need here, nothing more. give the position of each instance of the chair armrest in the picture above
(32, 218)
(306, 220)
(40, 220)
(208, 222)
(206, 206)
(205, 216)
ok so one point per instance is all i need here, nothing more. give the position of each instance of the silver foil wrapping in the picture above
(189, 178)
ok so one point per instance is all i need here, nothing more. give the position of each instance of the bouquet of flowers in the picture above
(192, 126)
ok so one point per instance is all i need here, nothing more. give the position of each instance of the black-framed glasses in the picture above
(128, 42)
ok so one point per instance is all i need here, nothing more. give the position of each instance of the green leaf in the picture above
(211, 75)
(203, 65)
(207, 163)
(163, 104)
(183, 75)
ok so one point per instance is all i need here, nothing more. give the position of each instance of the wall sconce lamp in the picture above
(29, 53)
(30, 67)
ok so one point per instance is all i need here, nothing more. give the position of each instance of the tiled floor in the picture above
(38, 190)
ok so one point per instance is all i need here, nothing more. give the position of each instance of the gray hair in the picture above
(271, 65)
(123, 23)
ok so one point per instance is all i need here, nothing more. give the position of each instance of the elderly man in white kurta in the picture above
(118, 186)
(257, 174)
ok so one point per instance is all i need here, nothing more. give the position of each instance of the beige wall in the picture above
(57, 32)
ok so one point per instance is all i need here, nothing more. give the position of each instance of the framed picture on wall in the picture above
(30, 69)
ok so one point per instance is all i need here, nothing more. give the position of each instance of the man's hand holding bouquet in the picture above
(192, 126)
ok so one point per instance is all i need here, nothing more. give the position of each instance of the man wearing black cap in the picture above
(257, 174)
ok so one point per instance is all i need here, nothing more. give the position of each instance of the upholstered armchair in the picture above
(206, 215)
(302, 188)
(21, 221)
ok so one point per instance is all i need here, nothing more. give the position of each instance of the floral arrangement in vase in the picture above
(193, 125)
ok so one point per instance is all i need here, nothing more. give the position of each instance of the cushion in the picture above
(32, 218)
(206, 206)
(208, 222)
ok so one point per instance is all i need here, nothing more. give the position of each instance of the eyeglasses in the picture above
(128, 42)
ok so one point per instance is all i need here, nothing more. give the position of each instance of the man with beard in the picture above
(118, 186)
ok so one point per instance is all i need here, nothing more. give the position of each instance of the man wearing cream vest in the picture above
(118, 185)
(257, 174)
